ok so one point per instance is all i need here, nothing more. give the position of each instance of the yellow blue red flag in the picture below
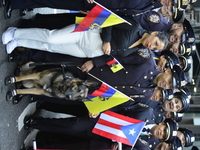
(105, 98)
(115, 65)
(98, 17)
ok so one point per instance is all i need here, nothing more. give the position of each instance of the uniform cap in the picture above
(171, 130)
(178, 15)
(189, 136)
(182, 4)
(167, 94)
(187, 49)
(171, 58)
(177, 145)
(188, 32)
(185, 97)
(195, 148)
(178, 116)
(178, 77)
(186, 61)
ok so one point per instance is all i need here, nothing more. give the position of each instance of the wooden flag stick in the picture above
(106, 84)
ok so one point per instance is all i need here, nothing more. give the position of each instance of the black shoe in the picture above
(3, 2)
(31, 120)
(14, 56)
(10, 95)
(9, 80)
(17, 99)
(7, 9)
(31, 99)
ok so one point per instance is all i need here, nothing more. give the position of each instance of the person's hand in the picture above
(93, 115)
(114, 146)
(90, 1)
(106, 48)
(84, 12)
(87, 66)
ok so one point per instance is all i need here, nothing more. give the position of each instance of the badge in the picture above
(183, 83)
(143, 141)
(155, 18)
(144, 53)
(192, 139)
(174, 133)
(191, 40)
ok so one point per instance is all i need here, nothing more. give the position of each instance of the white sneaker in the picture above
(8, 35)
(11, 46)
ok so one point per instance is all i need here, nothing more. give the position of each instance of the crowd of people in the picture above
(154, 51)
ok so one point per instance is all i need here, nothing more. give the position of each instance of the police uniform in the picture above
(121, 36)
(187, 49)
(153, 21)
(83, 5)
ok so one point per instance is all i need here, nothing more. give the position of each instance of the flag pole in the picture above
(106, 83)
(113, 13)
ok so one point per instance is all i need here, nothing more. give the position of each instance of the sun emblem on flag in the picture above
(132, 132)
(94, 26)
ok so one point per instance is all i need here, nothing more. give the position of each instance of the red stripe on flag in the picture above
(103, 88)
(109, 124)
(122, 117)
(111, 62)
(111, 136)
(91, 16)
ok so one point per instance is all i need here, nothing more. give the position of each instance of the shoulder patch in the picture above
(155, 18)
(143, 141)
(143, 105)
(145, 53)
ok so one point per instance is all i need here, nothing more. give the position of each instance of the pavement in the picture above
(12, 135)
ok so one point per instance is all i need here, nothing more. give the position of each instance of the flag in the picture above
(105, 98)
(98, 17)
(118, 127)
(114, 65)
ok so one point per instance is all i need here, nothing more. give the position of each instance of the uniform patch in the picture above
(143, 105)
(143, 141)
(155, 18)
(145, 53)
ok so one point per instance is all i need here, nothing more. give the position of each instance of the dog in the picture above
(50, 82)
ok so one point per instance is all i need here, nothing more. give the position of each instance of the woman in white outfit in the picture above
(120, 40)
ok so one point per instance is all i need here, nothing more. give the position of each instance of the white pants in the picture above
(79, 44)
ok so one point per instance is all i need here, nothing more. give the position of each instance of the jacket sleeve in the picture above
(132, 59)
(106, 34)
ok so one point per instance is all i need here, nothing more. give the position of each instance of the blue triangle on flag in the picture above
(132, 131)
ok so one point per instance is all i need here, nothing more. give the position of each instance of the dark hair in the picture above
(164, 37)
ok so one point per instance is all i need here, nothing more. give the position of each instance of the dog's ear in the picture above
(86, 99)
(90, 83)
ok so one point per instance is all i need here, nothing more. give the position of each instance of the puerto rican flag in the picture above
(118, 127)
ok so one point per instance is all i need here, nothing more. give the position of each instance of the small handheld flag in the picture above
(115, 65)
(105, 98)
(98, 17)
(118, 127)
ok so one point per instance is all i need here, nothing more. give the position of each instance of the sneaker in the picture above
(9, 80)
(11, 46)
(8, 35)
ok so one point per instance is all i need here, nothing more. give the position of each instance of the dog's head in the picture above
(78, 89)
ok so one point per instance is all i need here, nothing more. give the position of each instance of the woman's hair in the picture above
(164, 37)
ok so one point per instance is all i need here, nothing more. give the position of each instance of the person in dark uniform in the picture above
(120, 40)
(126, 6)
(79, 124)
(186, 136)
(180, 103)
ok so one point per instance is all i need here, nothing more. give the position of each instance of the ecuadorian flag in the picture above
(114, 65)
(105, 98)
(98, 17)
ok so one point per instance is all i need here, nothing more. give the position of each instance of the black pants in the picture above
(59, 4)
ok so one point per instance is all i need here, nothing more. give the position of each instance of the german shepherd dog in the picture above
(51, 82)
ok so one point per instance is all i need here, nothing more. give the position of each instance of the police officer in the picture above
(179, 103)
(186, 136)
